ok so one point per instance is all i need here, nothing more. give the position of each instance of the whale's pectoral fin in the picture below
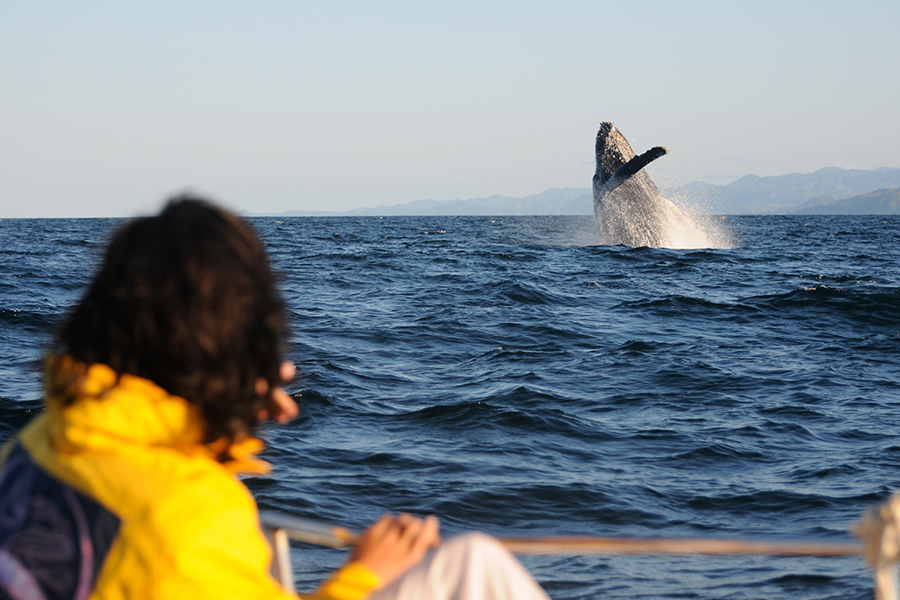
(639, 162)
(631, 167)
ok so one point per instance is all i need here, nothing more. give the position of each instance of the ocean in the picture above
(510, 375)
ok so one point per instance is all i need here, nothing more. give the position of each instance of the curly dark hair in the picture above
(187, 300)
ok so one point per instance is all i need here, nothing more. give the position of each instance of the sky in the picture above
(109, 108)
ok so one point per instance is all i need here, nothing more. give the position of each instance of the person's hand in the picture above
(280, 405)
(394, 544)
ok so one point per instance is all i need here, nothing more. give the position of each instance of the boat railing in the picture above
(878, 532)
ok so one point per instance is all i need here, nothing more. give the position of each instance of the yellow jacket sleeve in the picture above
(352, 582)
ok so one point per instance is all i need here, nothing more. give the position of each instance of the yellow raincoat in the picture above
(121, 481)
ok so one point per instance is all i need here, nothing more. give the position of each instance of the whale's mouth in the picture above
(612, 150)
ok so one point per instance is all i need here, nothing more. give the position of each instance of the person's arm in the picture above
(385, 551)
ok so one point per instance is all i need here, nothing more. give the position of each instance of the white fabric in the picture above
(473, 566)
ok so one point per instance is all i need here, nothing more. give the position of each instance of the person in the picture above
(127, 485)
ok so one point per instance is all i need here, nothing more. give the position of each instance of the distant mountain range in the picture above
(555, 201)
(879, 202)
(827, 191)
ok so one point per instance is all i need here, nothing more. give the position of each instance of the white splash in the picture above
(626, 217)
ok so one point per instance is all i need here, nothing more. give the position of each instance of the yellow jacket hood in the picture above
(102, 411)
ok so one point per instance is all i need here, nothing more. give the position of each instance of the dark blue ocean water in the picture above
(509, 375)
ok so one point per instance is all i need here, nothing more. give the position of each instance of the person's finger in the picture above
(419, 534)
(427, 536)
(379, 526)
(406, 520)
(410, 529)
(433, 525)
(372, 536)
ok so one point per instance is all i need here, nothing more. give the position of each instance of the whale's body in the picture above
(627, 204)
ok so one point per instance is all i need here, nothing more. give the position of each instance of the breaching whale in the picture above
(627, 204)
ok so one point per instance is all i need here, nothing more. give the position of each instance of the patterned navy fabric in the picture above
(53, 540)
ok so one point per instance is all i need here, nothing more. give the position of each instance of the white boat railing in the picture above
(879, 532)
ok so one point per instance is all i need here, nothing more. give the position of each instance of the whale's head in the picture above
(613, 151)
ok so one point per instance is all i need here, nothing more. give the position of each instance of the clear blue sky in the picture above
(106, 108)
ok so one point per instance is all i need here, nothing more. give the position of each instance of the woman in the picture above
(126, 487)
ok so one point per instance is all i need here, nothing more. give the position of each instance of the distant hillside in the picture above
(555, 201)
(785, 194)
(881, 202)
(827, 191)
